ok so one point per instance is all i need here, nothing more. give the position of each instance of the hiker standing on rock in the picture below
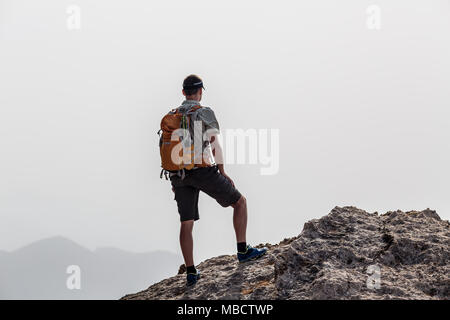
(188, 158)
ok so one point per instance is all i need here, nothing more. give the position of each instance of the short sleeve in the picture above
(209, 118)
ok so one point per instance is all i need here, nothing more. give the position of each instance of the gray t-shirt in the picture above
(205, 114)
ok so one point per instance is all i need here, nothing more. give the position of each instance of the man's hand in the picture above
(222, 172)
(229, 179)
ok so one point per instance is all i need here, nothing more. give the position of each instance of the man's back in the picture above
(211, 179)
(209, 125)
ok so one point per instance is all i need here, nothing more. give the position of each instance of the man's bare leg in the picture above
(187, 242)
(240, 219)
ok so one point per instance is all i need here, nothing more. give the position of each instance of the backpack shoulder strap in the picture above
(194, 109)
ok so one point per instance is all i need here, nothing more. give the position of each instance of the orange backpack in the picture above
(175, 156)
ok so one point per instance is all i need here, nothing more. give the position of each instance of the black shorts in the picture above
(210, 181)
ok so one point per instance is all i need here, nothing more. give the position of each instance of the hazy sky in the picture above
(363, 114)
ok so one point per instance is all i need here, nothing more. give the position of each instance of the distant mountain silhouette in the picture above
(39, 270)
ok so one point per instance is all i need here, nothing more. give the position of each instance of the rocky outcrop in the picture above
(348, 254)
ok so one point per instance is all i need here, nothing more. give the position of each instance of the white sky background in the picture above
(363, 115)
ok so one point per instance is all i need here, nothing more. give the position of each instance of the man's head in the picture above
(193, 87)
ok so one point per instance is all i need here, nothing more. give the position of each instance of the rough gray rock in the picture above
(333, 258)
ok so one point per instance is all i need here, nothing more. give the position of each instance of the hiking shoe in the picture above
(251, 254)
(192, 278)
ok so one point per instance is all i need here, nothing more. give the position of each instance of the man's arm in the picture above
(212, 131)
(218, 156)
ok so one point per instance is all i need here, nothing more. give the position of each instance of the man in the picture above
(211, 179)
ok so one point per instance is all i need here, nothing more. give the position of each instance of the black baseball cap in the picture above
(193, 82)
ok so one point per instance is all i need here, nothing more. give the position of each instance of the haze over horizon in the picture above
(363, 114)
(42, 269)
